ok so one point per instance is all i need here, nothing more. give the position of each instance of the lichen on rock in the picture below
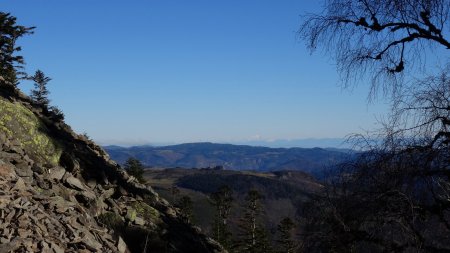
(147, 212)
(18, 122)
(78, 200)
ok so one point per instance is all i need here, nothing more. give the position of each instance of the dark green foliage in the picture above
(241, 183)
(203, 183)
(135, 168)
(185, 205)
(285, 240)
(56, 114)
(253, 237)
(264, 241)
(40, 96)
(222, 200)
(10, 63)
(40, 92)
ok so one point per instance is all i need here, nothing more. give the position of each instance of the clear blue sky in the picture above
(133, 72)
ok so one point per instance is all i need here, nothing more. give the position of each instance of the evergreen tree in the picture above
(40, 92)
(57, 114)
(253, 237)
(222, 200)
(135, 168)
(186, 207)
(286, 242)
(11, 64)
(264, 244)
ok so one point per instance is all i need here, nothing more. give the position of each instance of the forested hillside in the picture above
(283, 195)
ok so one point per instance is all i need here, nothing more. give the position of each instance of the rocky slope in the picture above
(60, 192)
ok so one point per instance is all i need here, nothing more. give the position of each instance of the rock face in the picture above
(60, 192)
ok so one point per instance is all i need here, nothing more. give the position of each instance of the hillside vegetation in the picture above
(284, 193)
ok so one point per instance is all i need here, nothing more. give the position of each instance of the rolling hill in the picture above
(284, 192)
(232, 157)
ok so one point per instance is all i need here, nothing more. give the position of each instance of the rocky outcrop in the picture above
(60, 192)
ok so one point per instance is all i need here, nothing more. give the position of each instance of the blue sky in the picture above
(136, 72)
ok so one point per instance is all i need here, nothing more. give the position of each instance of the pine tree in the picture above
(135, 168)
(286, 242)
(11, 64)
(253, 237)
(185, 205)
(40, 92)
(264, 244)
(222, 200)
(57, 114)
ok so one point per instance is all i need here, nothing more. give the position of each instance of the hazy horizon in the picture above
(339, 143)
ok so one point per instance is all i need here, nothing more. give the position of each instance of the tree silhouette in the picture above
(185, 205)
(253, 237)
(286, 241)
(40, 92)
(135, 168)
(11, 64)
(222, 200)
(379, 39)
(394, 197)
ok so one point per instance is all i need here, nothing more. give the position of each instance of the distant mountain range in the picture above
(233, 157)
(340, 143)
(303, 143)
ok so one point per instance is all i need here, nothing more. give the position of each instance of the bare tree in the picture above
(390, 199)
(395, 197)
(379, 39)
(423, 111)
